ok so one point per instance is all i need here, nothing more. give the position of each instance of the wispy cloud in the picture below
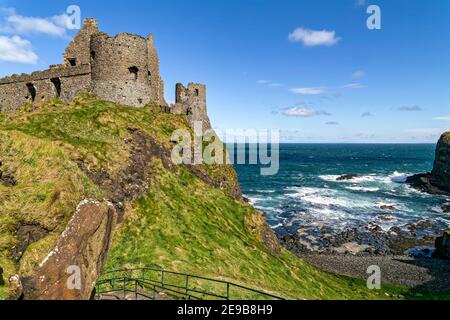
(432, 134)
(301, 110)
(16, 49)
(367, 114)
(13, 23)
(308, 91)
(353, 86)
(269, 83)
(409, 108)
(358, 74)
(332, 123)
(442, 118)
(360, 3)
(365, 136)
(312, 38)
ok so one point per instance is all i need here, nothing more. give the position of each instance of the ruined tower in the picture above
(123, 69)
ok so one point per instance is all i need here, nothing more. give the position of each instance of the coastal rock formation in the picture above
(443, 245)
(77, 259)
(438, 181)
(347, 177)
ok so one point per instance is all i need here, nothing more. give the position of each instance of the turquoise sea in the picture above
(305, 192)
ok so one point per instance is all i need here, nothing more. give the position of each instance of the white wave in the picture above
(277, 226)
(398, 177)
(363, 189)
(358, 179)
(330, 177)
(327, 197)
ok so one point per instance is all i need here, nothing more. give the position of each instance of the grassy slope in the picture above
(182, 224)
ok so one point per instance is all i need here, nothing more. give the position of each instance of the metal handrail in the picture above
(173, 290)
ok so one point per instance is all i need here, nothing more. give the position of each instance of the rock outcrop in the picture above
(441, 171)
(438, 181)
(443, 245)
(70, 270)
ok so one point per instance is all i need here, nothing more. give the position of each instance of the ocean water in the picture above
(305, 192)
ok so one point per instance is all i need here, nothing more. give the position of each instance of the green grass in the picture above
(185, 226)
(182, 224)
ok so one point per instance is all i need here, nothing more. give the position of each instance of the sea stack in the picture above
(438, 181)
(440, 176)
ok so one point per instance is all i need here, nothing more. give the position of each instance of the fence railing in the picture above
(150, 283)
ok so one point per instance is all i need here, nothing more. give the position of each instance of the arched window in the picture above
(133, 72)
(196, 92)
(92, 55)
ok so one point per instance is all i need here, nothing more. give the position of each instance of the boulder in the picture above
(446, 208)
(443, 245)
(347, 177)
(70, 270)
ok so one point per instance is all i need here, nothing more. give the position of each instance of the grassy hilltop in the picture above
(181, 223)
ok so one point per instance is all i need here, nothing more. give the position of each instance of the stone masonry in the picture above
(123, 69)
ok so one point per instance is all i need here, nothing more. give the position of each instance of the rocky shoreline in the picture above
(414, 255)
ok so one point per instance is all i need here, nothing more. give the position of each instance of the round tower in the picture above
(120, 70)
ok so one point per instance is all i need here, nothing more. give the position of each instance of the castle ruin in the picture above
(123, 69)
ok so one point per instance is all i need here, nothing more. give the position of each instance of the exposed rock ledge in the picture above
(438, 181)
(84, 244)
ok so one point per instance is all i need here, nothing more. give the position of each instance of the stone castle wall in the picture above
(191, 101)
(123, 69)
(17, 90)
(120, 70)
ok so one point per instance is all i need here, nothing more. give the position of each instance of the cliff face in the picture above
(438, 181)
(440, 176)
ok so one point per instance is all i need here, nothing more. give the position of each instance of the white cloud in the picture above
(358, 74)
(308, 91)
(442, 118)
(19, 25)
(263, 81)
(16, 49)
(367, 114)
(353, 86)
(304, 112)
(332, 123)
(312, 38)
(360, 3)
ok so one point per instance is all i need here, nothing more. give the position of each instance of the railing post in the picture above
(187, 287)
(228, 291)
(154, 292)
(135, 289)
(162, 278)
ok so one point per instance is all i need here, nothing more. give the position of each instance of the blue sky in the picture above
(310, 68)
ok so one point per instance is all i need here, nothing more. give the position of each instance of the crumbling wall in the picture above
(17, 90)
(120, 69)
(191, 101)
(155, 81)
(79, 47)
